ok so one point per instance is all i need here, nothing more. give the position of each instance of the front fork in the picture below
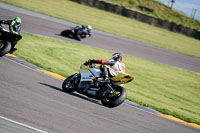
(74, 79)
(109, 91)
(75, 76)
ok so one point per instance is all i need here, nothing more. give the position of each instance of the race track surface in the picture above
(48, 26)
(35, 99)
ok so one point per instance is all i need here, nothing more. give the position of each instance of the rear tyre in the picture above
(66, 33)
(70, 84)
(116, 98)
(5, 48)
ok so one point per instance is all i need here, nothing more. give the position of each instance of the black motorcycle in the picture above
(7, 41)
(77, 33)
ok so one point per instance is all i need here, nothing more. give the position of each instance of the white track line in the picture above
(21, 124)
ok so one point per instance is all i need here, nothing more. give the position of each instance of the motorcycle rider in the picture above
(83, 28)
(14, 28)
(117, 66)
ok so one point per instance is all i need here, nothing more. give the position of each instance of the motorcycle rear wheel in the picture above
(69, 85)
(66, 33)
(5, 48)
(115, 100)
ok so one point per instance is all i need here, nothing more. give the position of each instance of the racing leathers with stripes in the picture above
(115, 68)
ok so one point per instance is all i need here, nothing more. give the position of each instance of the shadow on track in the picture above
(72, 94)
(65, 36)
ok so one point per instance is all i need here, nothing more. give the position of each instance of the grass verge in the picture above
(111, 23)
(167, 89)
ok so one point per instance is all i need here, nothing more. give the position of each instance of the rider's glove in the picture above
(85, 63)
(89, 61)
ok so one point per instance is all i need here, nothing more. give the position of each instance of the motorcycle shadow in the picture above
(73, 94)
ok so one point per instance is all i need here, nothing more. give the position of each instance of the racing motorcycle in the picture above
(111, 94)
(7, 40)
(76, 33)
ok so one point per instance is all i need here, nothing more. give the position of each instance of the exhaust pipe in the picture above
(92, 92)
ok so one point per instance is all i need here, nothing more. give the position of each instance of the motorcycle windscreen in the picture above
(95, 72)
(84, 69)
(122, 78)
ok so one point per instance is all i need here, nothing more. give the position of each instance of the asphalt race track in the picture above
(35, 99)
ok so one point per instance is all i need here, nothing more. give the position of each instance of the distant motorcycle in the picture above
(6, 41)
(111, 94)
(78, 32)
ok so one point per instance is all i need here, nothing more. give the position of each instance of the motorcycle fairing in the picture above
(85, 73)
(7, 36)
(122, 78)
(86, 76)
(86, 80)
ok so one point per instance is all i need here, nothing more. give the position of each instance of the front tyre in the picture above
(78, 37)
(5, 48)
(70, 84)
(114, 99)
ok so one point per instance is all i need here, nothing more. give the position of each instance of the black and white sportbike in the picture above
(86, 82)
(78, 32)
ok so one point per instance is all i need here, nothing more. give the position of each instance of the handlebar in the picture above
(90, 65)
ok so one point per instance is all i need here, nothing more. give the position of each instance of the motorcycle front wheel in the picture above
(78, 37)
(4, 48)
(70, 84)
(114, 99)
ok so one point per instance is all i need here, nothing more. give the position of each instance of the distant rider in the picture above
(117, 66)
(14, 28)
(87, 29)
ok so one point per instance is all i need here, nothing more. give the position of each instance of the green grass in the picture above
(159, 11)
(113, 23)
(167, 89)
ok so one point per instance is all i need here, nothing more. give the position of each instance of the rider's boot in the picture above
(13, 49)
(103, 80)
(105, 77)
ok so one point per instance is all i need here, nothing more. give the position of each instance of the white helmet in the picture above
(89, 27)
